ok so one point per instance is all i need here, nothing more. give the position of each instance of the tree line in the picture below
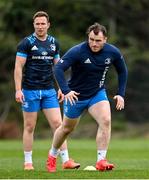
(127, 24)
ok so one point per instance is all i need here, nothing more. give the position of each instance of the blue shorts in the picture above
(36, 100)
(75, 110)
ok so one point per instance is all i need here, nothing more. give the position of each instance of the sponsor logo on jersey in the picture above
(34, 48)
(87, 61)
(53, 47)
(107, 61)
(44, 53)
(42, 57)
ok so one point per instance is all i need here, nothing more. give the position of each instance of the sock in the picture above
(28, 156)
(64, 155)
(101, 154)
(54, 152)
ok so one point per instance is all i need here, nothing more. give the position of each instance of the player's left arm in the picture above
(122, 72)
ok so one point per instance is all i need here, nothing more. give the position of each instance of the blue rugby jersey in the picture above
(38, 69)
(89, 69)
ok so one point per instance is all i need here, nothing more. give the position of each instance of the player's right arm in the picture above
(19, 64)
(72, 96)
(67, 61)
(21, 57)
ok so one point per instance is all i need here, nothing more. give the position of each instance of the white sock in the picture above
(101, 154)
(28, 156)
(54, 152)
(64, 155)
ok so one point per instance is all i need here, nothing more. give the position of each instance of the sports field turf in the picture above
(131, 158)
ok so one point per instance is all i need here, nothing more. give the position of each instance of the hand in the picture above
(71, 97)
(19, 96)
(119, 102)
(60, 96)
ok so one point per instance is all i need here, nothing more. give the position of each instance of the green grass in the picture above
(131, 158)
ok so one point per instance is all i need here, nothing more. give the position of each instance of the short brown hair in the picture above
(96, 28)
(41, 14)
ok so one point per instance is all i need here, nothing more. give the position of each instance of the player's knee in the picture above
(56, 124)
(29, 128)
(106, 121)
(67, 130)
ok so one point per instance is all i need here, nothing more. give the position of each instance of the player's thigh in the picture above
(49, 99)
(31, 101)
(101, 111)
(99, 107)
(74, 111)
(51, 109)
(30, 107)
(53, 115)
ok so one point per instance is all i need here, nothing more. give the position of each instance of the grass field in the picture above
(131, 158)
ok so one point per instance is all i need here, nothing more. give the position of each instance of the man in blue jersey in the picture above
(89, 62)
(34, 84)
